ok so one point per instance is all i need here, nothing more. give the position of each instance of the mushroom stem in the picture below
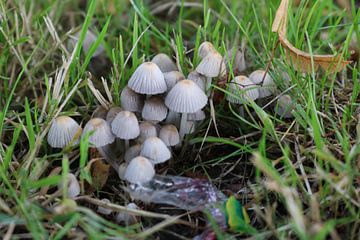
(208, 85)
(127, 144)
(183, 126)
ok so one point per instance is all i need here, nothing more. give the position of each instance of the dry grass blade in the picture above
(302, 61)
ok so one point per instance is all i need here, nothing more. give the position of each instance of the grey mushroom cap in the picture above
(101, 135)
(73, 188)
(63, 130)
(89, 40)
(131, 101)
(112, 114)
(212, 65)
(237, 60)
(243, 89)
(164, 62)
(125, 125)
(148, 79)
(197, 116)
(147, 129)
(186, 97)
(103, 210)
(199, 79)
(173, 77)
(132, 152)
(155, 150)
(139, 170)
(154, 109)
(267, 86)
(284, 106)
(205, 48)
(169, 135)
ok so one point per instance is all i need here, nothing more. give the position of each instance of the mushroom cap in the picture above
(197, 116)
(101, 135)
(164, 62)
(199, 79)
(103, 210)
(112, 114)
(147, 129)
(124, 216)
(268, 84)
(125, 125)
(131, 101)
(205, 48)
(139, 170)
(89, 40)
(73, 189)
(169, 135)
(132, 152)
(154, 109)
(155, 150)
(237, 58)
(186, 97)
(148, 79)
(243, 88)
(284, 106)
(212, 65)
(63, 130)
(171, 78)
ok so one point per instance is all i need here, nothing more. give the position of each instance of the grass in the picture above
(299, 178)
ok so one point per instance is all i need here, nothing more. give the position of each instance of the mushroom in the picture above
(155, 150)
(147, 129)
(169, 135)
(101, 132)
(63, 131)
(104, 210)
(237, 60)
(211, 66)
(89, 40)
(197, 116)
(164, 62)
(284, 106)
(154, 109)
(125, 126)
(73, 186)
(185, 97)
(205, 48)
(148, 79)
(139, 170)
(171, 78)
(126, 217)
(173, 118)
(243, 89)
(112, 114)
(132, 152)
(267, 86)
(199, 79)
(131, 101)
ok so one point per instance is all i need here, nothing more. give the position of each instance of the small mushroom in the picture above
(103, 210)
(132, 152)
(205, 48)
(73, 186)
(243, 89)
(154, 109)
(164, 62)
(125, 126)
(284, 106)
(148, 79)
(126, 217)
(169, 135)
(101, 135)
(237, 60)
(185, 97)
(155, 150)
(171, 78)
(131, 101)
(199, 79)
(173, 118)
(139, 170)
(147, 129)
(63, 131)
(267, 86)
(112, 114)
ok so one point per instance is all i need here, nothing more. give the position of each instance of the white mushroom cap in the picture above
(212, 65)
(186, 97)
(164, 62)
(73, 189)
(284, 106)
(103, 210)
(148, 79)
(155, 150)
(197, 116)
(171, 78)
(243, 88)
(169, 135)
(132, 152)
(173, 118)
(127, 217)
(139, 170)
(131, 101)
(125, 125)
(112, 114)
(199, 79)
(147, 129)
(63, 130)
(268, 86)
(121, 170)
(101, 135)
(154, 109)
(205, 48)
(238, 61)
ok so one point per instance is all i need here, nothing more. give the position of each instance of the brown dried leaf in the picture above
(299, 59)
